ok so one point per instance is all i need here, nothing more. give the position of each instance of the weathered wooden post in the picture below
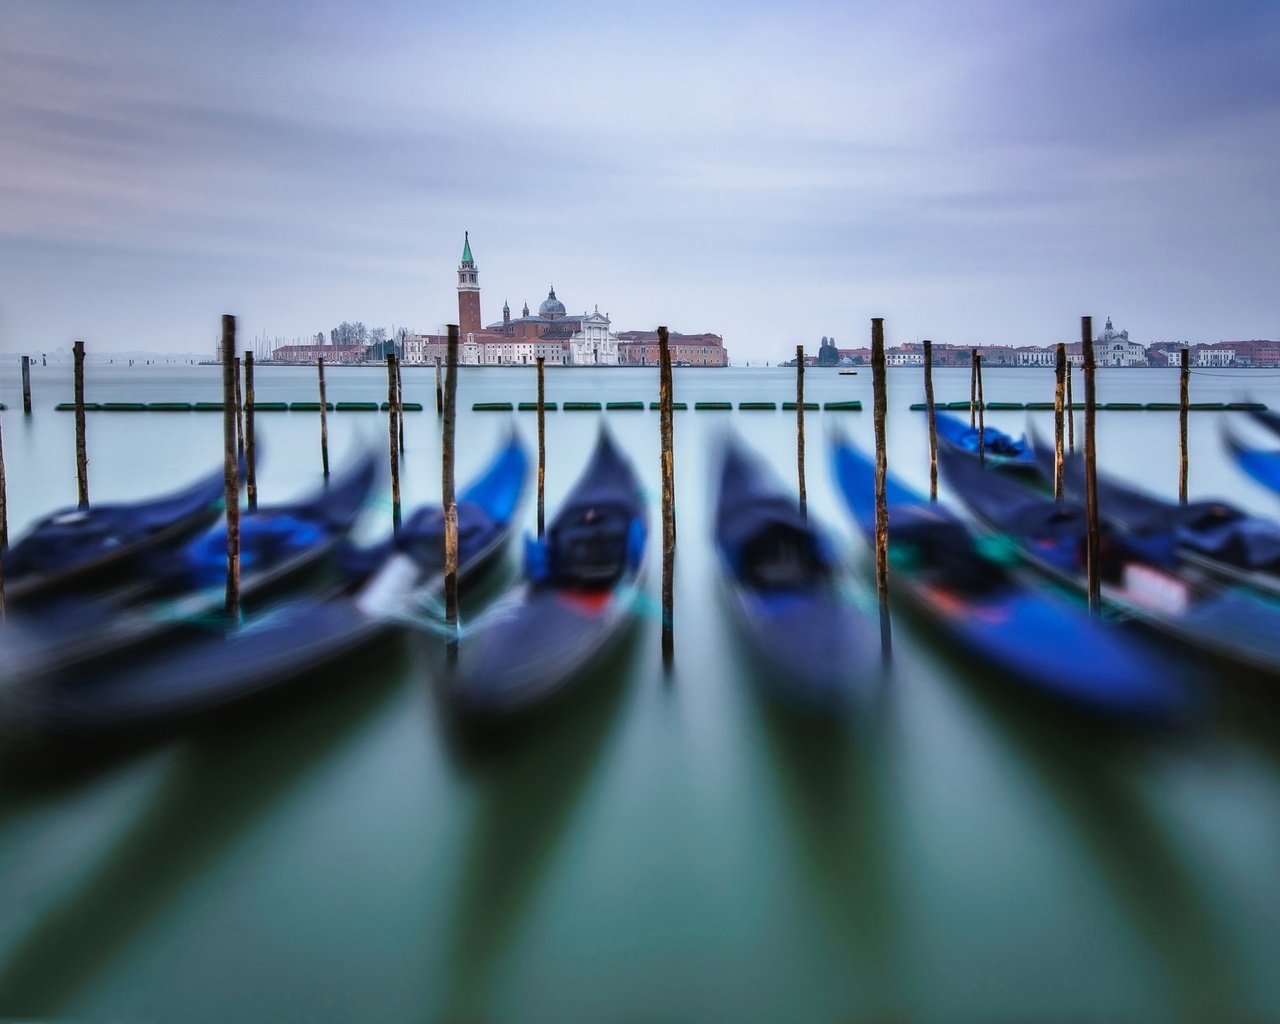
(804, 502)
(324, 420)
(542, 448)
(400, 401)
(239, 411)
(982, 407)
(1093, 542)
(446, 488)
(250, 450)
(395, 448)
(882, 473)
(82, 458)
(665, 427)
(230, 467)
(931, 413)
(439, 390)
(1071, 411)
(973, 389)
(26, 385)
(1059, 394)
(1184, 395)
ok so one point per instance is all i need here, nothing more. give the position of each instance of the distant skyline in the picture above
(977, 174)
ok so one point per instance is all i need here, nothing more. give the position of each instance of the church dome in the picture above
(551, 306)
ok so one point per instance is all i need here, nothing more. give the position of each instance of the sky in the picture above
(978, 173)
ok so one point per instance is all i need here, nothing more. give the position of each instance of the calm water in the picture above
(665, 847)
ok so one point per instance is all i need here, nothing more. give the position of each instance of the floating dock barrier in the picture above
(581, 406)
(123, 407)
(842, 406)
(759, 406)
(791, 406)
(491, 407)
(357, 407)
(304, 406)
(675, 406)
(533, 406)
(208, 407)
(714, 406)
(624, 405)
(1122, 406)
(1004, 406)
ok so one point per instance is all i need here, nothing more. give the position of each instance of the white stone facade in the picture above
(594, 345)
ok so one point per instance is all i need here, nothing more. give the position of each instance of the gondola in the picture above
(577, 599)
(1261, 464)
(75, 550)
(1048, 643)
(124, 693)
(1214, 535)
(814, 649)
(1142, 578)
(1001, 449)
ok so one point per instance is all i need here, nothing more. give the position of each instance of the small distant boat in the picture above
(848, 373)
(578, 597)
(816, 650)
(1002, 449)
(1043, 641)
(1143, 580)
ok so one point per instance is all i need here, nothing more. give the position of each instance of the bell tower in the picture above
(468, 291)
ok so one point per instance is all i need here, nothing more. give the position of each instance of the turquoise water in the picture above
(666, 846)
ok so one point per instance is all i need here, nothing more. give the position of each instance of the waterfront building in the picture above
(640, 348)
(1113, 348)
(1206, 355)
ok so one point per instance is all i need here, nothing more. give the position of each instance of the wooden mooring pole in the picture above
(882, 473)
(324, 420)
(400, 401)
(239, 411)
(982, 409)
(82, 458)
(1059, 397)
(973, 389)
(804, 500)
(446, 489)
(1071, 412)
(542, 448)
(1093, 537)
(26, 385)
(439, 390)
(666, 428)
(1184, 395)
(394, 445)
(932, 413)
(230, 465)
(250, 448)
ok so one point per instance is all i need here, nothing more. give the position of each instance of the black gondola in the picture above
(814, 648)
(578, 597)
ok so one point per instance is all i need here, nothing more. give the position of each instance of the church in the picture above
(552, 334)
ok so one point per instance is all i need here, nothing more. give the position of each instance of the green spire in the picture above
(466, 248)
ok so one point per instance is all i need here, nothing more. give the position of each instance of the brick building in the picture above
(640, 348)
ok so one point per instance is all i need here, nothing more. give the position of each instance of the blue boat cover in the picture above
(997, 443)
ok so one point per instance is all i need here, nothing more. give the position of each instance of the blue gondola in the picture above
(1045, 641)
(578, 597)
(815, 649)
(1143, 578)
(74, 549)
(1013, 453)
(123, 692)
(1214, 535)
(1262, 464)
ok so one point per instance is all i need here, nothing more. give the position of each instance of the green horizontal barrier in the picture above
(491, 407)
(791, 406)
(123, 407)
(759, 406)
(953, 405)
(1164, 406)
(208, 407)
(714, 406)
(533, 406)
(997, 406)
(1208, 406)
(1122, 406)
(404, 406)
(71, 407)
(1233, 406)
(1035, 406)
(169, 406)
(624, 405)
(275, 406)
(581, 406)
(842, 406)
(915, 406)
(358, 406)
(675, 406)
(308, 406)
